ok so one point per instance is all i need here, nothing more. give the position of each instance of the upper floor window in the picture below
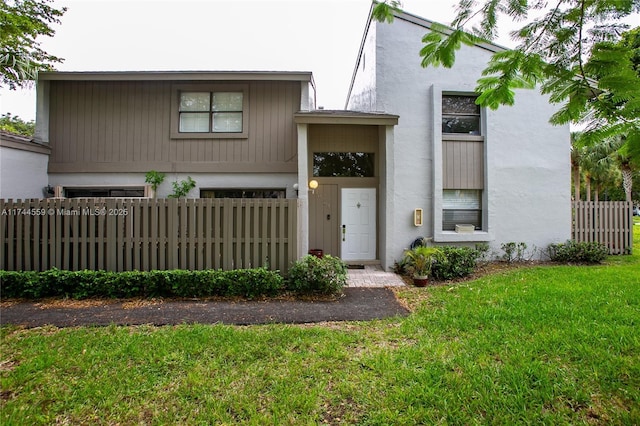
(210, 111)
(215, 112)
(460, 114)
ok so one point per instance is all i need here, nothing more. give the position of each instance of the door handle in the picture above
(344, 232)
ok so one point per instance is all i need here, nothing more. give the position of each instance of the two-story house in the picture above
(236, 134)
(412, 156)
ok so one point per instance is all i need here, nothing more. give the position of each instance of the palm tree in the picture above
(577, 149)
(618, 150)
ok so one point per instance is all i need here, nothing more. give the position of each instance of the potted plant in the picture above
(419, 262)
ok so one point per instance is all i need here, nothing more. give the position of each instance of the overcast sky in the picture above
(321, 36)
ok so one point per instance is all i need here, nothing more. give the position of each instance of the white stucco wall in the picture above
(527, 195)
(23, 174)
(203, 180)
(363, 89)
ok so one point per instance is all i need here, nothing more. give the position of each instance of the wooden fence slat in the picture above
(162, 233)
(254, 218)
(35, 236)
(192, 234)
(43, 237)
(227, 234)
(217, 233)
(157, 245)
(207, 228)
(136, 227)
(248, 261)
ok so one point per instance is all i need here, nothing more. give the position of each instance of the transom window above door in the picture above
(343, 164)
(214, 112)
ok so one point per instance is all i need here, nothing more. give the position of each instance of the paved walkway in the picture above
(356, 304)
(373, 276)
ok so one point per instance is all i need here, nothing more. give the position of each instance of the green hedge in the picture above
(312, 275)
(574, 252)
(175, 283)
(456, 262)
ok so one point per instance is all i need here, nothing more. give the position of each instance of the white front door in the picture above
(358, 228)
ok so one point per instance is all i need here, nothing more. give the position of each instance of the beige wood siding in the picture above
(118, 126)
(343, 138)
(463, 164)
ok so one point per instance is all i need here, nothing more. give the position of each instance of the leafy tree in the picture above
(21, 23)
(573, 50)
(17, 125)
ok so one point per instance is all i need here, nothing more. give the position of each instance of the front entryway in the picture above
(358, 228)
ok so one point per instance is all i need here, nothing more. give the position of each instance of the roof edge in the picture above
(345, 117)
(176, 75)
(22, 143)
(426, 23)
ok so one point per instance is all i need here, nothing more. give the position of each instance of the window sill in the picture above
(194, 135)
(452, 236)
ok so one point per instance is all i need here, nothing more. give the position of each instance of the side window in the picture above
(463, 161)
(461, 206)
(460, 114)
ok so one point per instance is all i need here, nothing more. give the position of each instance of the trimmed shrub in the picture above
(176, 283)
(573, 252)
(313, 275)
(455, 262)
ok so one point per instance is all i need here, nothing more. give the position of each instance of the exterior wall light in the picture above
(313, 184)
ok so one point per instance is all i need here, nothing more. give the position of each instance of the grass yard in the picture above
(544, 345)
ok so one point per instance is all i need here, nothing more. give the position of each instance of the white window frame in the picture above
(176, 89)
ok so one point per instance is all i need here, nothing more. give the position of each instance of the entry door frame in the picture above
(358, 228)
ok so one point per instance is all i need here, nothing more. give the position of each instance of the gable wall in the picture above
(363, 90)
(527, 160)
(125, 126)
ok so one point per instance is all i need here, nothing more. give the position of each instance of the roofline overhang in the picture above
(10, 140)
(302, 76)
(345, 117)
(417, 20)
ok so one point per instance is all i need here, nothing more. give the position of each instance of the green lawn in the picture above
(544, 345)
